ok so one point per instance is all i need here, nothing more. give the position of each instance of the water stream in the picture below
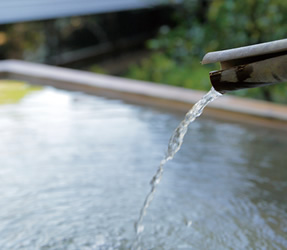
(174, 145)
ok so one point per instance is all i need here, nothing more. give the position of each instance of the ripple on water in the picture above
(74, 173)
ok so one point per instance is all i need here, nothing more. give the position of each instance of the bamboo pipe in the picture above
(249, 67)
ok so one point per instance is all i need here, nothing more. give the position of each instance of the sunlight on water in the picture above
(174, 145)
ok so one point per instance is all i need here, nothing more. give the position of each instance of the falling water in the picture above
(173, 146)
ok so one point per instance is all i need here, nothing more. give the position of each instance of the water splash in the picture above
(174, 145)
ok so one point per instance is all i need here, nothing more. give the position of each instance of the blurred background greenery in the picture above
(171, 40)
(210, 25)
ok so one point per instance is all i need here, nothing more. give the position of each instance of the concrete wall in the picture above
(229, 108)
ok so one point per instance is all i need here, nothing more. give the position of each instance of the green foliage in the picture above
(205, 26)
(97, 69)
(161, 69)
(221, 24)
(13, 91)
(245, 22)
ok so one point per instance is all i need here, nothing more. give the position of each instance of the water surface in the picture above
(75, 169)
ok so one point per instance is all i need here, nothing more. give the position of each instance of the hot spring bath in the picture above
(75, 170)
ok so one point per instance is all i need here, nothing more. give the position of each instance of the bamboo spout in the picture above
(249, 67)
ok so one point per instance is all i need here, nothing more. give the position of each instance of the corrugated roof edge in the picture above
(10, 13)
